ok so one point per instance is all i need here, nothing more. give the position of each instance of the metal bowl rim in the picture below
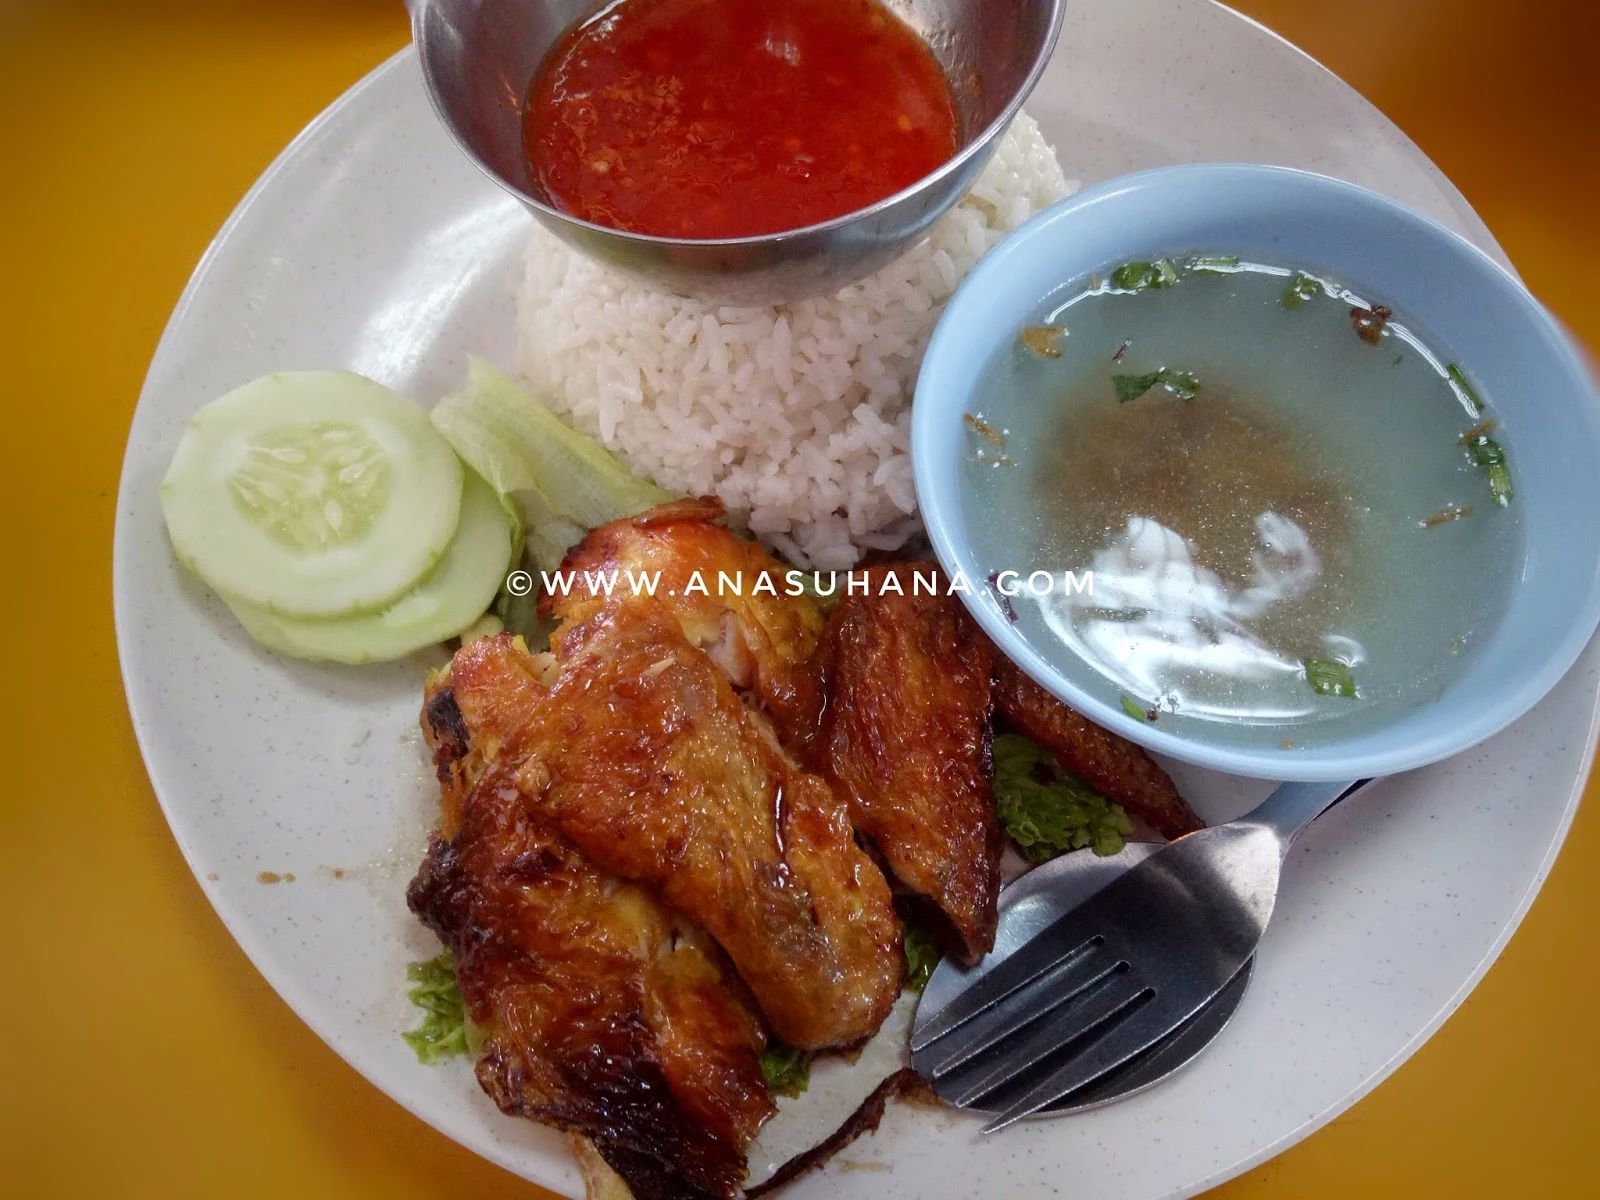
(950, 166)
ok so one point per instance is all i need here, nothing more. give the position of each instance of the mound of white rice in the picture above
(798, 416)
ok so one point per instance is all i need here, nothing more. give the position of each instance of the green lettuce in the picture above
(922, 956)
(809, 584)
(561, 482)
(443, 1031)
(787, 1069)
(1047, 811)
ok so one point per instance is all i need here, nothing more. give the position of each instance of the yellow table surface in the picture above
(140, 1053)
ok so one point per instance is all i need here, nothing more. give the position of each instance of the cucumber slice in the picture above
(312, 494)
(458, 592)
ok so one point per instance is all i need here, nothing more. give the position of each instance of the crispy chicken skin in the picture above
(741, 613)
(604, 1013)
(646, 758)
(905, 739)
(1112, 765)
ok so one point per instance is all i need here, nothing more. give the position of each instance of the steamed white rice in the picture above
(798, 416)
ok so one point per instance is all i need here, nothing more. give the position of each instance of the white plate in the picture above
(371, 244)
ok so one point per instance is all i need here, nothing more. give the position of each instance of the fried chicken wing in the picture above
(645, 757)
(604, 1013)
(1112, 765)
(905, 739)
(729, 596)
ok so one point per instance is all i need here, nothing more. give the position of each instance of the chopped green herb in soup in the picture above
(1137, 276)
(1181, 384)
(1288, 500)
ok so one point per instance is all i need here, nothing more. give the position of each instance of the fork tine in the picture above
(1087, 1016)
(1042, 995)
(1158, 1060)
(1065, 939)
(1117, 1044)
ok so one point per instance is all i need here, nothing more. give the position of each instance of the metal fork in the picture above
(1122, 970)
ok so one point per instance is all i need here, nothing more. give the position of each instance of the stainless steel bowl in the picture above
(479, 58)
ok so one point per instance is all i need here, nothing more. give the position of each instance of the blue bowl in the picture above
(1468, 305)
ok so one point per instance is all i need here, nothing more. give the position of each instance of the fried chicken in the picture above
(1112, 765)
(643, 754)
(603, 1012)
(653, 764)
(647, 852)
(906, 741)
(729, 596)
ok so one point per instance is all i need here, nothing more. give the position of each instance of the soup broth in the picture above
(1282, 497)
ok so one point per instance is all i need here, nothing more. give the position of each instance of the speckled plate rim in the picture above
(1579, 695)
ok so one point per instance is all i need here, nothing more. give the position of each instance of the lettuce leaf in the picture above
(563, 483)
(787, 1069)
(922, 956)
(1047, 811)
(443, 1031)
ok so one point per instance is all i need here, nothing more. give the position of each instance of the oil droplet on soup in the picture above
(1252, 487)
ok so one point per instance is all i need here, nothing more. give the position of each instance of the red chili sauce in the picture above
(731, 118)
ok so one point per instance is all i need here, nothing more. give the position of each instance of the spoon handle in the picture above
(1293, 806)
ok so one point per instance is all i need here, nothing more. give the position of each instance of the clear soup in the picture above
(1298, 517)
